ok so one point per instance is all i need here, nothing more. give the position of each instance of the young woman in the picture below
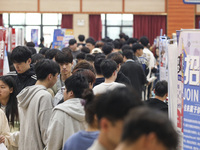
(8, 100)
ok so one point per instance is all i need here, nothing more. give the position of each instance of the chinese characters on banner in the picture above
(191, 104)
(2, 47)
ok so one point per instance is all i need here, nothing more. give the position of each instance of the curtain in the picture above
(1, 19)
(149, 26)
(67, 21)
(95, 26)
(197, 25)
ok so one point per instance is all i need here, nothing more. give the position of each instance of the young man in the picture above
(73, 47)
(148, 129)
(161, 93)
(90, 43)
(41, 42)
(81, 39)
(35, 107)
(24, 74)
(68, 117)
(109, 71)
(111, 109)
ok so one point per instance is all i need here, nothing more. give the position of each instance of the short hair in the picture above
(132, 40)
(137, 46)
(142, 121)
(80, 56)
(41, 39)
(126, 47)
(30, 44)
(99, 44)
(117, 44)
(84, 65)
(161, 88)
(76, 83)
(50, 54)
(85, 50)
(33, 50)
(122, 35)
(63, 57)
(45, 67)
(43, 50)
(20, 54)
(97, 64)
(107, 49)
(126, 37)
(128, 54)
(90, 40)
(144, 41)
(117, 57)
(108, 66)
(115, 105)
(36, 57)
(72, 42)
(89, 57)
(81, 37)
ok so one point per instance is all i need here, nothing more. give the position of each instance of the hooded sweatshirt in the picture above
(35, 109)
(67, 119)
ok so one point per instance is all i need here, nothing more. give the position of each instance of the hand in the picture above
(2, 139)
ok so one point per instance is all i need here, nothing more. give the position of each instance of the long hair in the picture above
(12, 105)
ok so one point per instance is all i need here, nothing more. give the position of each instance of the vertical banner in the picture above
(13, 38)
(191, 113)
(34, 36)
(61, 38)
(2, 46)
(19, 37)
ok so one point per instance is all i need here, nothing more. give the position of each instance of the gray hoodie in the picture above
(35, 109)
(67, 119)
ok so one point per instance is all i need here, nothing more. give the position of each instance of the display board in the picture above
(191, 1)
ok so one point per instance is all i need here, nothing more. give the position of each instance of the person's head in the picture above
(50, 54)
(81, 38)
(42, 40)
(122, 35)
(65, 61)
(161, 89)
(117, 45)
(74, 86)
(85, 50)
(90, 43)
(73, 44)
(127, 54)
(97, 62)
(146, 128)
(99, 44)
(144, 41)
(43, 50)
(80, 57)
(30, 44)
(47, 71)
(8, 93)
(109, 68)
(90, 58)
(126, 47)
(107, 49)
(84, 65)
(21, 58)
(111, 109)
(36, 57)
(137, 49)
(117, 57)
(88, 74)
(33, 50)
(131, 41)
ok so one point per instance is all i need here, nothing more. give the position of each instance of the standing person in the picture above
(81, 43)
(84, 139)
(73, 47)
(68, 117)
(35, 107)
(24, 75)
(90, 43)
(41, 45)
(8, 100)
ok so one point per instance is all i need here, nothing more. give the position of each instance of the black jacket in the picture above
(121, 78)
(25, 79)
(157, 104)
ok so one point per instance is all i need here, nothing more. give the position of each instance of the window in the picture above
(45, 23)
(114, 24)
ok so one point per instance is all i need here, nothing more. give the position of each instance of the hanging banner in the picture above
(61, 38)
(13, 38)
(19, 37)
(191, 112)
(2, 46)
(34, 36)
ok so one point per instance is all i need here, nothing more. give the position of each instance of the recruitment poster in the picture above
(34, 36)
(191, 104)
(2, 47)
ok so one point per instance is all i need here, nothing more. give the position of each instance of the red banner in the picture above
(2, 47)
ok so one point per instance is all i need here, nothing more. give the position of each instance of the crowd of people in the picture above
(93, 95)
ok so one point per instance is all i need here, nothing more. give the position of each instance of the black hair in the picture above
(161, 88)
(117, 44)
(97, 64)
(126, 37)
(30, 44)
(85, 50)
(89, 57)
(90, 40)
(143, 121)
(43, 50)
(84, 65)
(108, 66)
(122, 35)
(115, 105)
(12, 105)
(80, 56)
(99, 44)
(137, 46)
(63, 57)
(126, 47)
(72, 42)
(76, 83)
(132, 40)
(128, 54)
(81, 37)
(144, 41)
(20, 54)
(41, 39)
(33, 50)
(50, 54)
(45, 67)
(117, 57)
(107, 49)
(36, 57)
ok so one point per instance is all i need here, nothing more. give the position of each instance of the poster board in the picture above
(34, 36)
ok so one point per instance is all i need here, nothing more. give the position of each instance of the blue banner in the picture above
(34, 36)
(191, 1)
(58, 37)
